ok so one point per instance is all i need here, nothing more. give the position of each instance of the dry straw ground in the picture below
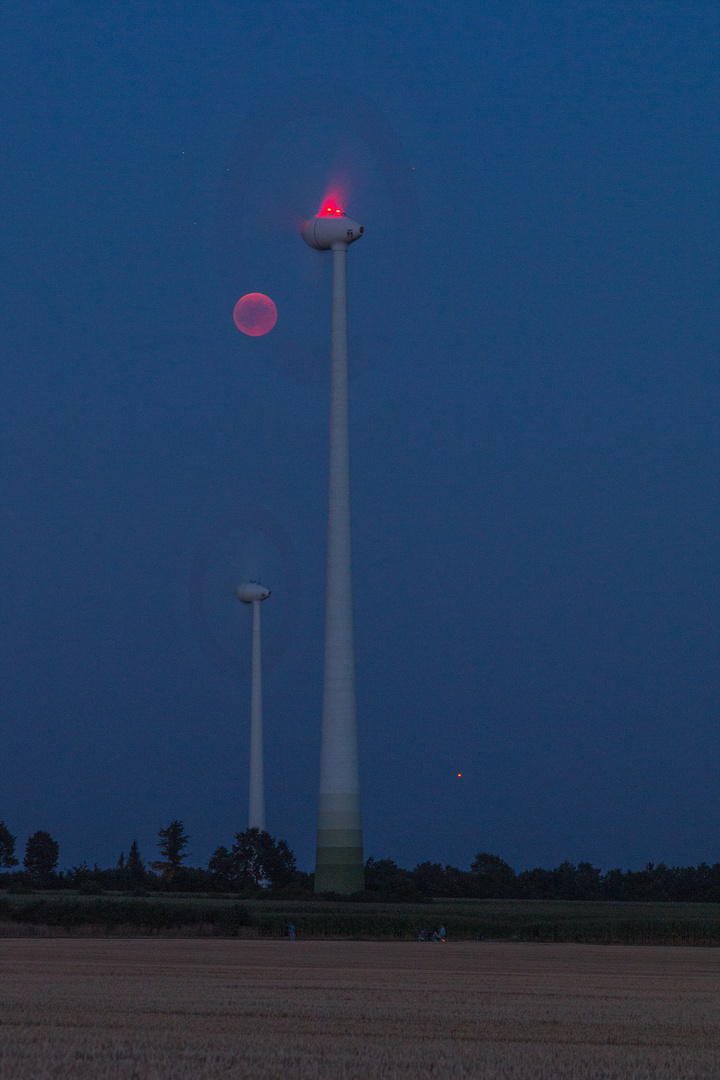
(80, 1009)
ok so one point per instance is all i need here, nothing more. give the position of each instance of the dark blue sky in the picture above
(536, 447)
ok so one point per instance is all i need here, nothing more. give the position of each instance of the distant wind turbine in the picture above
(252, 592)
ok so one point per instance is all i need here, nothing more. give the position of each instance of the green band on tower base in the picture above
(339, 865)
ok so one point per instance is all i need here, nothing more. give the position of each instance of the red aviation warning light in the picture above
(332, 205)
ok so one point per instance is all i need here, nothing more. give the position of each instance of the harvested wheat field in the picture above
(194, 1009)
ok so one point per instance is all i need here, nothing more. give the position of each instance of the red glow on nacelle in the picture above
(332, 205)
(255, 314)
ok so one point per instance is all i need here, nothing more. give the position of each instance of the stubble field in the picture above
(108, 1009)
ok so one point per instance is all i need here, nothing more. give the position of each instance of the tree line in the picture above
(257, 864)
(491, 878)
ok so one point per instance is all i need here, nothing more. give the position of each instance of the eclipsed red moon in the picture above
(255, 314)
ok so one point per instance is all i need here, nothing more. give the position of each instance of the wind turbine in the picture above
(252, 592)
(339, 864)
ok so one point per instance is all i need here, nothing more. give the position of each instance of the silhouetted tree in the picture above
(247, 854)
(565, 882)
(536, 884)
(134, 870)
(494, 879)
(260, 857)
(255, 858)
(278, 862)
(390, 881)
(588, 882)
(86, 879)
(171, 843)
(7, 847)
(41, 854)
(222, 868)
(429, 877)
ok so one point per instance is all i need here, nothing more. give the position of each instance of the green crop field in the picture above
(225, 916)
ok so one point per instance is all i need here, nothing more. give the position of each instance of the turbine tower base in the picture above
(339, 864)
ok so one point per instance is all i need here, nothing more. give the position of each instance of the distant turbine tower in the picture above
(339, 864)
(252, 592)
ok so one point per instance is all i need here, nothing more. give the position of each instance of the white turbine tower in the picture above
(252, 592)
(339, 865)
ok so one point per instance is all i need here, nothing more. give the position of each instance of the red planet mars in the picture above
(255, 314)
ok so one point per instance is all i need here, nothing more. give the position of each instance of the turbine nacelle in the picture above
(326, 231)
(250, 592)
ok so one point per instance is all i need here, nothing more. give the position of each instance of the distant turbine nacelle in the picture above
(252, 591)
(323, 232)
